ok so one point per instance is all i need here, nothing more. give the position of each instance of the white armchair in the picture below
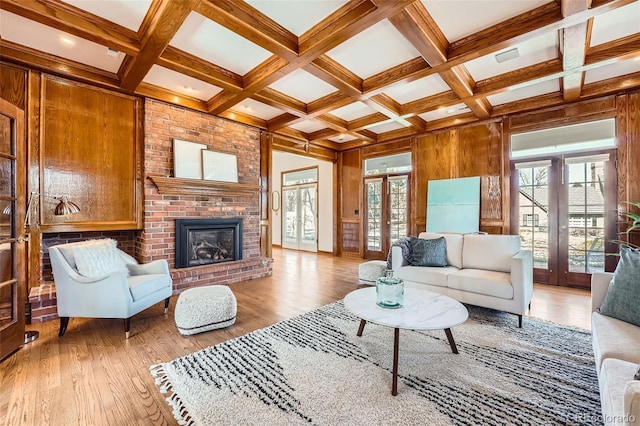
(113, 295)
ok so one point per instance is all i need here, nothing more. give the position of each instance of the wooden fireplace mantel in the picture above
(183, 186)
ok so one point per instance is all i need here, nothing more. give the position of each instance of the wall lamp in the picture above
(64, 207)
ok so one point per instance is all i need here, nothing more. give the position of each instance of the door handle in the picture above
(22, 239)
(563, 227)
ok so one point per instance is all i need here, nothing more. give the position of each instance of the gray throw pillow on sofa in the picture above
(429, 252)
(622, 300)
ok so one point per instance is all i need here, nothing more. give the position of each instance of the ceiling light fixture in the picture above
(66, 40)
(507, 55)
(112, 52)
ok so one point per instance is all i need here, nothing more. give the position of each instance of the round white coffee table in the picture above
(422, 310)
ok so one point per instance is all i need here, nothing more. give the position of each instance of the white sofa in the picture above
(483, 270)
(616, 346)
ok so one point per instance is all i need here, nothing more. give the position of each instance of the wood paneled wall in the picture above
(483, 150)
(90, 151)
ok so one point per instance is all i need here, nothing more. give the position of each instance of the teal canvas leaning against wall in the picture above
(453, 205)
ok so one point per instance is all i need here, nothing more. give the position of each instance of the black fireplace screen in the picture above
(207, 241)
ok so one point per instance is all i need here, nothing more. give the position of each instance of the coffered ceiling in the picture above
(336, 73)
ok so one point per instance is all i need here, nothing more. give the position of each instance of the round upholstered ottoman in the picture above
(205, 308)
(369, 271)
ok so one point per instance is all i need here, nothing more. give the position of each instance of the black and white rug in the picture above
(313, 369)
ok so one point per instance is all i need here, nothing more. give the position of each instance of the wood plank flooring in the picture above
(93, 376)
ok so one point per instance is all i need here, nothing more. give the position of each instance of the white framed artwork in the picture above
(219, 166)
(187, 159)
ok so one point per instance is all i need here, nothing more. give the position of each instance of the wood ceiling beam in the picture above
(155, 92)
(333, 73)
(166, 23)
(328, 103)
(244, 118)
(384, 104)
(418, 123)
(239, 17)
(616, 50)
(366, 121)
(26, 56)
(523, 27)
(533, 74)
(412, 70)
(77, 22)
(185, 63)
(441, 100)
(335, 123)
(323, 134)
(574, 41)
(419, 28)
(612, 85)
(280, 121)
(280, 100)
(351, 19)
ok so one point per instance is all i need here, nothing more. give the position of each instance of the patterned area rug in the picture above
(313, 369)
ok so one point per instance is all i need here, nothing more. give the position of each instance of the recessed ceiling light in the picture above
(66, 40)
(507, 55)
(112, 52)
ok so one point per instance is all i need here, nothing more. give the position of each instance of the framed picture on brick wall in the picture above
(187, 159)
(219, 166)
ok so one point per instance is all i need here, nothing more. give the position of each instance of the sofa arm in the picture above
(632, 402)
(599, 285)
(522, 279)
(159, 266)
(397, 260)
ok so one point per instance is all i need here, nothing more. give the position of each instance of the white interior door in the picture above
(300, 216)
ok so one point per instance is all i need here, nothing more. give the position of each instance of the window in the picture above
(530, 220)
(397, 163)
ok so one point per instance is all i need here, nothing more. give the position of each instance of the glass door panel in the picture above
(300, 217)
(373, 227)
(386, 214)
(398, 187)
(533, 200)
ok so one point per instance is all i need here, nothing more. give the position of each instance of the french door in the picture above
(13, 285)
(299, 220)
(386, 213)
(565, 214)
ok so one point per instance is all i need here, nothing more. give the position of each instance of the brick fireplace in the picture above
(162, 123)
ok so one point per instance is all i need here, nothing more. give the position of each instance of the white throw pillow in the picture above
(97, 258)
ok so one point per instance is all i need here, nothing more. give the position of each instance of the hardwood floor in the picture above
(93, 376)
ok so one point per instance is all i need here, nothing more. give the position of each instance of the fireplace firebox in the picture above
(207, 241)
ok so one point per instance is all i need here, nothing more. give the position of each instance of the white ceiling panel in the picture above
(534, 51)
(616, 24)
(353, 111)
(55, 42)
(525, 92)
(425, 87)
(218, 45)
(386, 127)
(295, 15)
(380, 41)
(257, 109)
(308, 126)
(343, 138)
(444, 112)
(303, 86)
(180, 83)
(460, 18)
(610, 71)
(129, 14)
